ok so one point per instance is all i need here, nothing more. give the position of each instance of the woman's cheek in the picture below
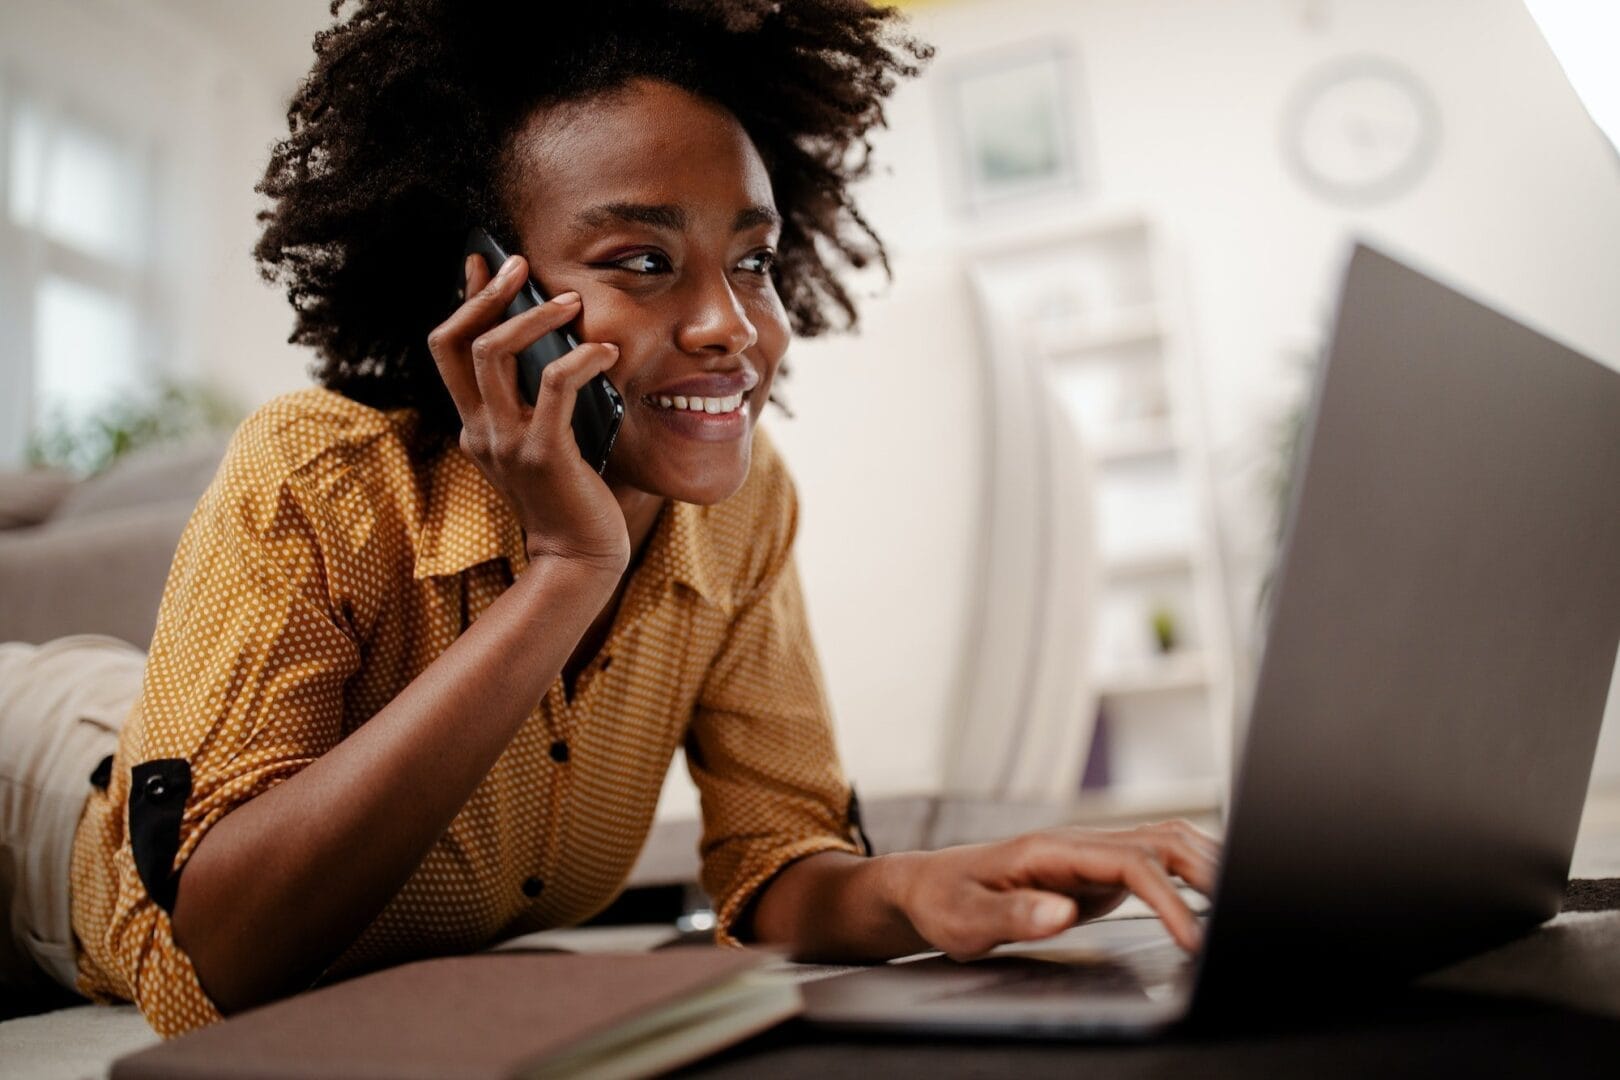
(771, 324)
(604, 317)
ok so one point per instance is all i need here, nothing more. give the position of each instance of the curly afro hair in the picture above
(397, 135)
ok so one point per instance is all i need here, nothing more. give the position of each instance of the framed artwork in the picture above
(1012, 120)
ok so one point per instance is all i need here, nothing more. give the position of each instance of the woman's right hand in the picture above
(529, 454)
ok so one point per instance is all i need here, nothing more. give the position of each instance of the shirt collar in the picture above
(678, 552)
(467, 522)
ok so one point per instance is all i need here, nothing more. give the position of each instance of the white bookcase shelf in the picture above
(1169, 799)
(1149, 564)
(1170, 673)
(1153, 437)
(1099, 308)
(1099, 335)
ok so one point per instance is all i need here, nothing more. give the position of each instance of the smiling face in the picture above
(654, 205)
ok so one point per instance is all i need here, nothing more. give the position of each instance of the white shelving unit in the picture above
(1100, 312)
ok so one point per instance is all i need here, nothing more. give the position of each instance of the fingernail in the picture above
(508, 267)
(467, 269)
(1053, 913)
(610, 346)
(566, 299)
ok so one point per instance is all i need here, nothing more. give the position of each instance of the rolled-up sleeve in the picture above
(243, 688)
(761, 749)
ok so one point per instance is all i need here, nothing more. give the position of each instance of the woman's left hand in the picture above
(967, 900)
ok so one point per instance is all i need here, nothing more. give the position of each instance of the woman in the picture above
(419, 670)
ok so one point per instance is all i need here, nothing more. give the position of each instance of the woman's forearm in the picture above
(282, 885)
(835, 907)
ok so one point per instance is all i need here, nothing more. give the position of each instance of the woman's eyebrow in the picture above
(661, 216)
(665, 216)
(754, 216)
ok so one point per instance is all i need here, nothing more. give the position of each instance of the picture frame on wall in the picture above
(1012, 117)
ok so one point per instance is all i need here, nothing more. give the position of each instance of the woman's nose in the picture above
(714, 321)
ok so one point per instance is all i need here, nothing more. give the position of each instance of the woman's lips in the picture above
(702, 426)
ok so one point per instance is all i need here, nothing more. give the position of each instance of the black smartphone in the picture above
(599, 409)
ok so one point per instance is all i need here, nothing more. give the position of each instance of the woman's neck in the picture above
(641, 512)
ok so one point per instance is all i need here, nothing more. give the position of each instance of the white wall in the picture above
(1179, 103)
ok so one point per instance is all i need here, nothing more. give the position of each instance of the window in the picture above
(1581, 35)
(75, 261)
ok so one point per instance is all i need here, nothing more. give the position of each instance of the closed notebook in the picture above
(493, 1015)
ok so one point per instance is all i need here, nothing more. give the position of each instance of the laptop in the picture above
(1423, 721)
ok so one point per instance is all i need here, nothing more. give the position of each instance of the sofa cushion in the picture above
(29, 497)
(151, 475)
(101, 574)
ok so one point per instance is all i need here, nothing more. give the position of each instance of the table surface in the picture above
(1430, 1031)
(1428, 1034)
(1493, 1016)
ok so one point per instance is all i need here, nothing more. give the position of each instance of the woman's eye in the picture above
(760, 262)
(643, 262)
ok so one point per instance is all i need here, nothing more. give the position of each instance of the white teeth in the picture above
(714, 406)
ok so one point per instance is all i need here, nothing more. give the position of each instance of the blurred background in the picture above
(1116, 227)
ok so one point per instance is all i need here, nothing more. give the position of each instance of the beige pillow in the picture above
(148, 476)
(28, 498)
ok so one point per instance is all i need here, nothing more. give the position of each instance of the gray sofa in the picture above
(92, 556)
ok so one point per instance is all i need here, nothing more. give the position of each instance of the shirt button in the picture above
(532, 887)
(559, 751)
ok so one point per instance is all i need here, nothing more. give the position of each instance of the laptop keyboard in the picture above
(1135, 974)
(1062, 980)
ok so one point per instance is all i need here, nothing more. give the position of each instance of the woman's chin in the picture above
(702, 478)
(714, 488)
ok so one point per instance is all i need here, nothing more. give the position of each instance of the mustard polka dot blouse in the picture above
(323, 570)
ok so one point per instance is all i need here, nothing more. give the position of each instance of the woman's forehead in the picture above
(646, 144)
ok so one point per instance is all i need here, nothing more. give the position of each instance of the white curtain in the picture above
(1025, 704)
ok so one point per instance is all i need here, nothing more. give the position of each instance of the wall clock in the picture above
(1360, 130)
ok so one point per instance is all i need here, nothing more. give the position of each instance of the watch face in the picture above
(1360, 131)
